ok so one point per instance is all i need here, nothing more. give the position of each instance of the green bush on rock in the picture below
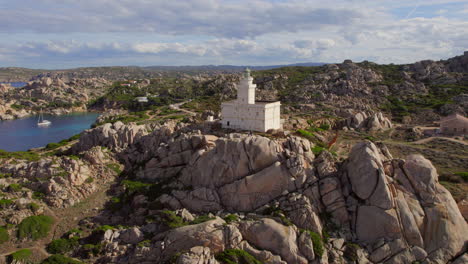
(60, 259)
(236, 256)
(62, 245)
(20, 255)
(4, 236)
(35, 227)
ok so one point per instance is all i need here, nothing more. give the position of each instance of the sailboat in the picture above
(41, 122)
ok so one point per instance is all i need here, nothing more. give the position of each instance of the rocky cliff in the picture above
(203, 195)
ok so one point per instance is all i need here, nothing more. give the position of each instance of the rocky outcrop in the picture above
(64, 181)
(402, 200)
(117, 137)
(363, 121)
(253, 170)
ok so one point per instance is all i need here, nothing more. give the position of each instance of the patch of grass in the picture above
(317, 150)
(35, 227)
(201, 219)
(317, 242)
(172, 220)
(351, 251)
(236, 256)
(463, 175)
(104, 228)
(4, 203)
(38, 195)
(144, 243)
(4, 236)
(34, 207)
(23, 155)
(60, 259)
(277, 212)
(89, 180)
(306, 134)
(135, 186)
(455, 189)
(114, 167)
(5, 175)
(21, 255)
(92, 249)
(231, 218)
(14, 187)
(62, 245)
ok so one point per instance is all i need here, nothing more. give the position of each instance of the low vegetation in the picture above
(236, 256)
(62, 245)
(60, 259)
(23, 155)
(4, 236)
(21, 255)
(35, 227)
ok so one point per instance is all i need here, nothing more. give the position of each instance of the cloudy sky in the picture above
(73, 33)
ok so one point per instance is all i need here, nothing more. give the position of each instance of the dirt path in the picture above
(178, 105)
(426, 140)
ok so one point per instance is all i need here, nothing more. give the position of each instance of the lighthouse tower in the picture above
(245, 113)
(246, 89)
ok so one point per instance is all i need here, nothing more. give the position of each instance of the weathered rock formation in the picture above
(376, 209)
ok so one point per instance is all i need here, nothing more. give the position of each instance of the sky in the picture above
(55, 34)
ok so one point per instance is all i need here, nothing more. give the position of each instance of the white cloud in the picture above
(228, 31)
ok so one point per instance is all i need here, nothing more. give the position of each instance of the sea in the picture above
(23, 134)
(16, 84)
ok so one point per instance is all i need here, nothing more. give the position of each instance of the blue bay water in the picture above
(23, 134)
(16, 84)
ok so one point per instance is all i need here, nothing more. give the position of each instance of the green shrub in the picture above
(144, 243)
(38, 195)
(464, 175)
(201, 219)
(5, 175)
(104, 228)
(52, 146)
(306, 134)
(21, 255)
(236, 256)
(115, 167)
(75, 137)
(4, 236)
(35, 227)
(135, 186)
(33, 207)
(14, 187)
(60, 259)
(231, 218)
(17, 107)
(172, 220)
(351, 251)
(93, 249)
(4, 203)
(324, 126)
(62, 245)
(316, 241)
(89, 180)
(317, 150)
(74, 157)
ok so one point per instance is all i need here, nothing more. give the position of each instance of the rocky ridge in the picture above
(371, 208)
(54, 96)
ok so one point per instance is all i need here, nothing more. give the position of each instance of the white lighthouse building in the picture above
(247, 114)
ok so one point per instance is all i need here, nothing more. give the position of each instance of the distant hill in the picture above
(15, 74)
